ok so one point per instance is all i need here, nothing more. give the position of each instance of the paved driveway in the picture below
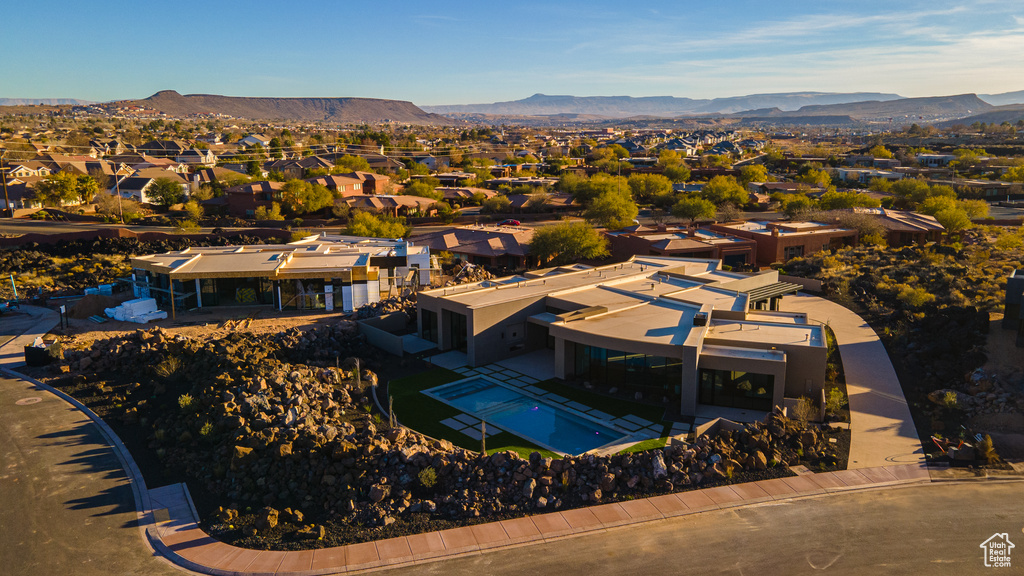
(882, 428)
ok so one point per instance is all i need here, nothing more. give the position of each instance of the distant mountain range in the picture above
(1004, 99)
(905, 108)
(42, 101)
(342, 110)
(661, 106)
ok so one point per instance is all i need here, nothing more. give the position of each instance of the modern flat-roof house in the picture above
(783, 241)
(673, 330)
(662, 240)
(318, 272)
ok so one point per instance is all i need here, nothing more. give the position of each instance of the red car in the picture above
(509, 223)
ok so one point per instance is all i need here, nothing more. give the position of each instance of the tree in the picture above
(423, 190)
(598, 185)
(910, 191)
(166, 192)
(109, 206)
(612, 209)
(954, 220)
(194, 210)
(301, 197)
(693, 209)
(568, 242)
(753, 173)
(815, 177)
(975, 209)
(724, 189)
(880, 185)
(677, 173)
(797, 206)
(58, 189)
(340, 209)
(833, 200)
(1015, 174)
(351, 164)
(496, 205)
(646, 186)
(880, 151)
(274, 213)
(371, 226)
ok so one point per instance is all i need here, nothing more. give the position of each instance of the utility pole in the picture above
(117, 188)
(3, 174)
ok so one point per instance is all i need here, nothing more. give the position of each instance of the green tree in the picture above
(351, 164)
(598, 185)
(371, 226)
(797, 206)
(693, 209)
(753, 173)
(646, 186)
(301, 197)
(954, 220)
(910, 192)
(273, 213)
(1015, 174)
(568, 242)
(496, 205)
(880, 185)
(833, 200)
(724, 189)
(815, 177)
(677, 173)
(880, 151)
(194, 210)
(975, 209)
(424, 190)
(612, 209)
(669, 159)
(57, 189)
(166, 192)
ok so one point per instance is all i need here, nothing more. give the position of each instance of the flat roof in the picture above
(748, 353)
(766, 333)
(661, 322)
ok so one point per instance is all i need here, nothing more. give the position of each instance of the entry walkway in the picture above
(882, 429)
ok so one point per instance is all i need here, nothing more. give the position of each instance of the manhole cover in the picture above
(27, 401)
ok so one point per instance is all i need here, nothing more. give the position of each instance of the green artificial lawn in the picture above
(424, 414)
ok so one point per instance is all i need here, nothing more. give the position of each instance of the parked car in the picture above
(509, 223)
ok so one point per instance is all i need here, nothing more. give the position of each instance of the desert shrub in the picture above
(168, 367)
(185, 401)
(805, 410)
(834, 401)
(913, 297)
(427, 477)
(949, 399)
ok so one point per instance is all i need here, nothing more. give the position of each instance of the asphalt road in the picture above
(65, 504)
(922, 529)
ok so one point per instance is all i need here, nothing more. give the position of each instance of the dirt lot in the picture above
(206, 322)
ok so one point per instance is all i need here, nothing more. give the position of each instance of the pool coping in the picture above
(627, 435)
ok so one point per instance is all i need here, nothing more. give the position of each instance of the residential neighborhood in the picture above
(477, 289)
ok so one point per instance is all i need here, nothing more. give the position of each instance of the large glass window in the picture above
(429, 325)
(654, 377)
(456, 324)
(737, 389)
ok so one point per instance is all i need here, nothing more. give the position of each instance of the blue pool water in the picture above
(546, 424)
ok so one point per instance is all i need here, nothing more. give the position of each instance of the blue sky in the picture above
(471, 52)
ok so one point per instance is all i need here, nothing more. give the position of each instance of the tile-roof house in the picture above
(341, 185)
(372, 183)
(498, 246)
(298, 168)
(163, 148)
(196, 156)
(243, 200)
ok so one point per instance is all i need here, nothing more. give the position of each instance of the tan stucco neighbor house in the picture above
(675, 330)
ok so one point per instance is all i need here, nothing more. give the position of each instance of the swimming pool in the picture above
(532, 418)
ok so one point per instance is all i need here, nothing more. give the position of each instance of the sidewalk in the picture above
(882, 428)
(26, 325)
